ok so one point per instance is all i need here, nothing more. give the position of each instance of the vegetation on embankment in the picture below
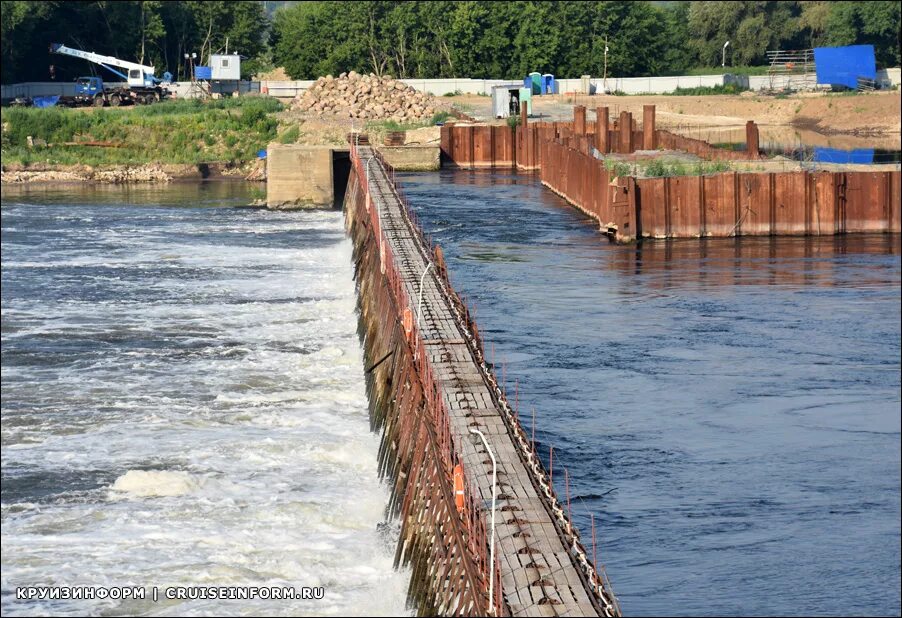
(187, 131)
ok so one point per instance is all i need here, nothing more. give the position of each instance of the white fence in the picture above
(629, 85)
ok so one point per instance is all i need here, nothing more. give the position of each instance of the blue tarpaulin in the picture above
(844, 65)
(834, 155)
(45, 101)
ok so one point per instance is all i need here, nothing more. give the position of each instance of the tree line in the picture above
(502, 40)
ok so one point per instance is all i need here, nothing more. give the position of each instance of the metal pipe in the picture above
(492, 546)
(420, 301)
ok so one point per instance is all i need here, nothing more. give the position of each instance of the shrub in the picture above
(656, 169)
(618, 168)
(441, 117)
(290, 136)
(706, 90)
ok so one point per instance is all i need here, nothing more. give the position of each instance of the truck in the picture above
(143, 85)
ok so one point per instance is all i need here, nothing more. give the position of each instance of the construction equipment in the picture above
(143, 85)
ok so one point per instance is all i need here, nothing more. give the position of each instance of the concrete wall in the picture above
(630, 85)
(299, 176)
(887, 78)
(412, 158)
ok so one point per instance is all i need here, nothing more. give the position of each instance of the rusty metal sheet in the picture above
(605, 214)
(721, 193)
(867, 202)
(483, 150)
(790, 216)
(754, 204)
(520, 135)
(684, 207)
(503, 141)
(823, 195)
(652, 207)
(462, 146)
(895, 201)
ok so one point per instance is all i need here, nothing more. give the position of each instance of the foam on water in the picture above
(184, 404)
(147, 483)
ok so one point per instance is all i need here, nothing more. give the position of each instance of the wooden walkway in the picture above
(540, 576)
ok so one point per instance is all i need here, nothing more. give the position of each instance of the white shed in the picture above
(506, 99)
(226, 66)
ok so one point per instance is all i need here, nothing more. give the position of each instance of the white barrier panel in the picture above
(439, 87)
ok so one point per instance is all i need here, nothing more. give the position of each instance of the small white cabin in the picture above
(226, 66)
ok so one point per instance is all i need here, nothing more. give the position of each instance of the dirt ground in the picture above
(869, 115)
(827, 120)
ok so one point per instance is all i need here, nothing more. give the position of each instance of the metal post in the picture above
(492, 546)
(604, 79)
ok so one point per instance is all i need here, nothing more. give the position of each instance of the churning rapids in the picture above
(184, 404)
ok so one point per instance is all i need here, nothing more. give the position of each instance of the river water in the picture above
(728, 410)
(184, 404)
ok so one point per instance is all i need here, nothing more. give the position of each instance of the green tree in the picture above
(752, 28)
(874, 23)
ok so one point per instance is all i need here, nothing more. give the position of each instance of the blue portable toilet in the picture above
(548, 84)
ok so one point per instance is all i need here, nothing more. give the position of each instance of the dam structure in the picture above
(481, 526)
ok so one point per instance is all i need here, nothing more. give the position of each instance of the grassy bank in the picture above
(185, 131)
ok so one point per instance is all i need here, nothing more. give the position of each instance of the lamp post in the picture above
(723, 61)
(604, 80)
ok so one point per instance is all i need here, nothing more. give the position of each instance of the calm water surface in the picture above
(728, 410)
(183, 404)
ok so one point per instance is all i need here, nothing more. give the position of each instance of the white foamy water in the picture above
(184, 404)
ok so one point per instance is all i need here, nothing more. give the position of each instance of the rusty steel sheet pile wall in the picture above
(716, 205)
(768, 204)
(701, 148)
(447, 547)
(500, 147)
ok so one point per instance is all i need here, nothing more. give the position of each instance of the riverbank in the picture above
(18, 173)
(186, 138)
